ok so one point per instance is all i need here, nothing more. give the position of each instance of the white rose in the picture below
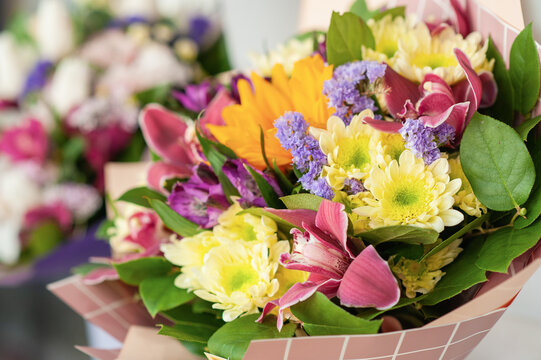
(16, 61)
(70, 85)
(53, 30)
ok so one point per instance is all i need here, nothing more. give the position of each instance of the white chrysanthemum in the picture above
(286, 54)
(406, 192)
(465, 199)
(239, 277)
(419, 53)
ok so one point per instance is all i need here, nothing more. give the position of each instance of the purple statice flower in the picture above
(127, 21)
(353, 186)
(37, 77)
(245, 184)
(201, 198)
(198, 28)
(307, 155)
(196, 97)
(424, 141)
(348, 90)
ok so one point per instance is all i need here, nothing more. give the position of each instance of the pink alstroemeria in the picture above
(434, 102)
(358, 279)
(25, 142)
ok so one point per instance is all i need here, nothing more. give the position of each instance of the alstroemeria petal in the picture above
(369, 282)
(332, 219)
(391, 127)
(474, 93)
(159, 172)
(434, 104)
(295, 216)
(400, 89)
(165, 132)
(454, 116)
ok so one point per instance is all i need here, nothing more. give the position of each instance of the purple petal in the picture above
(400, 89)
(369, 282)
(332, 219)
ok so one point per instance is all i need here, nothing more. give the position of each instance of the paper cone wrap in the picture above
(116, 309)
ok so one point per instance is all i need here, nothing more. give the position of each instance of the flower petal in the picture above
(475, 90)
(295, 216)
(332, 219)
(400, 89)
(454, 116)
(462, 23)
(490, 89)
(159, 172)
(369, 282)
(164, 133)
(391, 127)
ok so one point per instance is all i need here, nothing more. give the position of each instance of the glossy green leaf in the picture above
(399, 11)
(347, 34)
(174, 220)
(86, 269)
(320, 316)
(160, 293)
(506, 244)
(198, 333)
(497, 163)
(44, 239)
(524, 71)
(157, 94)
(360, 8)
(283, 181)
(302, 201)
(533, 205)
(460, 275)
(400, 233)
(267, 191)
(232, 340)
(283, 225)
(139, 196)
(525, 128)
(135, 271)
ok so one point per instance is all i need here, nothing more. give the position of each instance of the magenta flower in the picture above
(195, 97)
(26, 142)
(434, 102)
(56, 212)
(358, 279)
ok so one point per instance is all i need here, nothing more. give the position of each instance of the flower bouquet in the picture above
(378, 201)
(73, 80)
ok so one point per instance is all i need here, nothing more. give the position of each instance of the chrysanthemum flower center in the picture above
(388, 47)
(238, 278)
(406, 200)
(353, 152)
(433, 61)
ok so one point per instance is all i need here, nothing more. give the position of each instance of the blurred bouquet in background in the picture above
(73, 80)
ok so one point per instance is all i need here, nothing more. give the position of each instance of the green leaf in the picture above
(190, 314)
(506, 244)
(160, 294)
(524, 71)
(139, 196)
(320, 316)
(347, 35)
(503, 106)
(460, 275)
(268, 193)
(262, 144)
(135, 271)
(497, 163)
(283, 225)
(400, 233)
(460, 233)
(302, 201)
(232, 340)
(283, 181)
(157, 94)
(44, 238)
(399, 11)
(18, 26)
(199, 333)
(103, 231)
(360, 9)
(134, 151)
(215, 60)
(73, 149)
(174, 220)
(86, 269)
(525, 128)
(370, 313)
(533, 205)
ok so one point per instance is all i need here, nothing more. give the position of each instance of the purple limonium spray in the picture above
(424, 141)
(353, 186)
(196, 97)
(127, 21)
(37, 77)
(198, 29)
(201, 198)
(350, 88)
(307, 155)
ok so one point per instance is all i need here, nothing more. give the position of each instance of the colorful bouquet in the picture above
(371, 189)
(73, 81)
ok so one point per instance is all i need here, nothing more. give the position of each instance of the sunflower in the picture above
(260, 107)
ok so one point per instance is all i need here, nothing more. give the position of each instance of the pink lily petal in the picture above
(391, 127)
(490, 89)
(369, 282)
(100, 275)
(462, 22)
(159, 172)
(434, 103)
(454, 116)
(437, 84)
(474, 92)
(400, 89)
(295, 216)
(332, 219)
(409, 111)
(213, 113)
(164, 132)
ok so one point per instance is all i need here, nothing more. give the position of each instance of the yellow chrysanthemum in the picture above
(422, 277)
(419, 54)
(465, 199)
(246, 227)
(360, 223)
(258, 109)
(286, 54)
(387, 32)
(406, 192)
(351, 150)
(391, 146)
